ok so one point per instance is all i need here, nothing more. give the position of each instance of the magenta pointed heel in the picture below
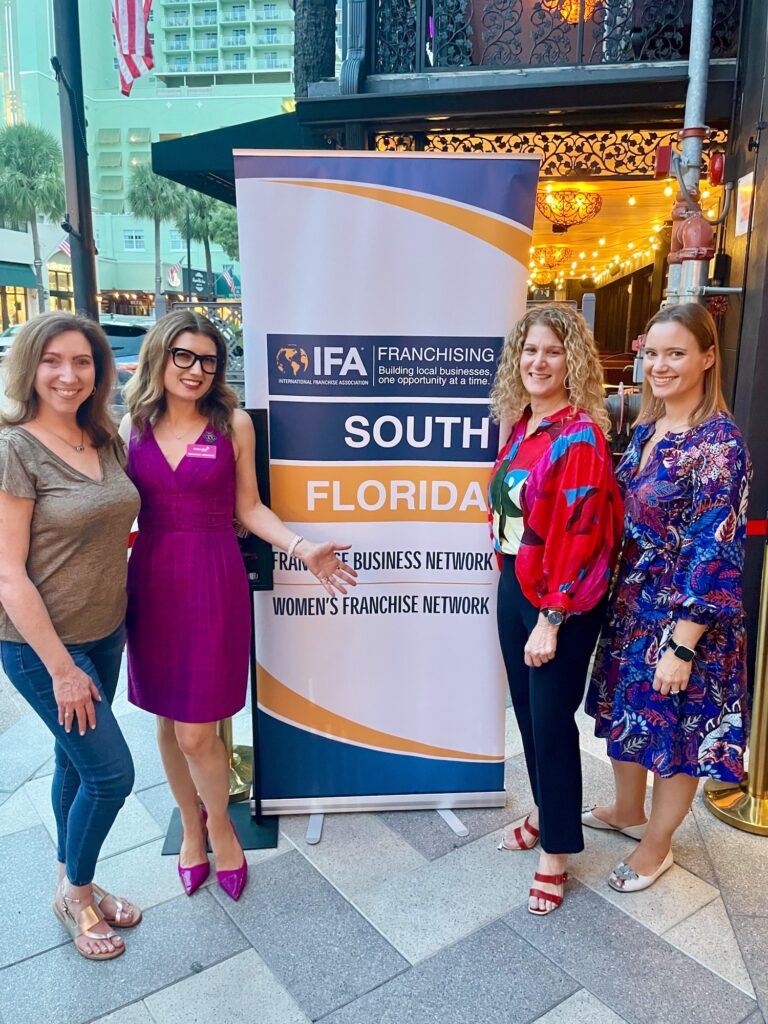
(233, 882)
(193, 877)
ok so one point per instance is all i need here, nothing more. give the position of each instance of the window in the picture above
(115, 64)
(139, 135)
(238, 12)
(210, 39)
(238, 37)
(270, 10)
(270, 34)
(210, 17)
(180, 41)
(238, 62)
(210, 64)
(177, 242)
(108, 136)
(133, 240)
(270, 60)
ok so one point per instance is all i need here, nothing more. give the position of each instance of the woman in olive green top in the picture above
(66, 509)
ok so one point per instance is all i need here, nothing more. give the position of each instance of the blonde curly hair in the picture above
(584, 377)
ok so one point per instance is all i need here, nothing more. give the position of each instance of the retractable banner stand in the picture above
(377, 291)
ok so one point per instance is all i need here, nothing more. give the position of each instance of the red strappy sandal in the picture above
(523, 842)
(550, 897)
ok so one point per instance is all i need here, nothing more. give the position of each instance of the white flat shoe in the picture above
(633, 831)
(623, 878)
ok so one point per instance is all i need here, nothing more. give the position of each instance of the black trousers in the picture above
(545, 701)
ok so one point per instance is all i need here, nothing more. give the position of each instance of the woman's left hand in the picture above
(542, 644)
(322, 560)
(672, 673)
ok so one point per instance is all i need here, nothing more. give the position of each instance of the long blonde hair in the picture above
(584, 376)
(20, 367)
(145, 391)
(697, 321)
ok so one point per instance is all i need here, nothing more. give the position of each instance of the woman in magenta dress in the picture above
(191, 456)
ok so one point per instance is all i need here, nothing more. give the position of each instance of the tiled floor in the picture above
(391, 919)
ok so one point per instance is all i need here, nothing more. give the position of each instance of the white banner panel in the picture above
(377, 290)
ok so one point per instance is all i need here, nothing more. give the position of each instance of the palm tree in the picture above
(198, 211)
(31, 184)
(157, 199)
(224, 230)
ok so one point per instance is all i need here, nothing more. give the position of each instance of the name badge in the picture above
(201, 451)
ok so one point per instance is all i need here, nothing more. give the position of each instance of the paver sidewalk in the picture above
(390, 919)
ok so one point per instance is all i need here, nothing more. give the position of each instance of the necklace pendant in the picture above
(79, 447)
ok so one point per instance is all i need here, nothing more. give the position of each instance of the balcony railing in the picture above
(235, 17)
(282, 40)
(174, 45)
(206, 19)
(284, 14)
(177, 21)
(207, 66)
(235, 40)
(235, 65)
(207, 44)
(179, 66)
(271, 65)
(431, 35)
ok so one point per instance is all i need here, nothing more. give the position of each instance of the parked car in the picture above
(125, 339)
(6, 338)
(119, 408)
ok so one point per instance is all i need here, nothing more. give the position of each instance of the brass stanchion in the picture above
(745, 804)
(240, 763)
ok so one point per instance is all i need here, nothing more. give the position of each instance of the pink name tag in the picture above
(201, 451)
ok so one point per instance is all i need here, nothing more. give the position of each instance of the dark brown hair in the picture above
(21, 365)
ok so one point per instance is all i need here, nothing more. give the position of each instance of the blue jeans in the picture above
(93, 773)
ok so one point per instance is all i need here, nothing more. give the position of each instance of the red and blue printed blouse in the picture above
(555, 505)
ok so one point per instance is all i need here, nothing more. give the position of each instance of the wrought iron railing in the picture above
(410, 36)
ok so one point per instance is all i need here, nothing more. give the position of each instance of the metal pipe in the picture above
(693, 133)
(716, 290)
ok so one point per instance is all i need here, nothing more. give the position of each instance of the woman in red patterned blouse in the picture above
(556, 518)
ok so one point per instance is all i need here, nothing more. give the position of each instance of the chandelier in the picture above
(552, 256)
(542, 277)
(570, 10)
(568, 206)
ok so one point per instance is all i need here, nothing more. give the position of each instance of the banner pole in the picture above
(240, 763)
(745, 805)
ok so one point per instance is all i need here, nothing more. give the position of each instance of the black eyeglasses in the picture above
(185, 360)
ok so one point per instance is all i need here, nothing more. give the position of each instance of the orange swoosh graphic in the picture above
(509, 239)
(274, 696)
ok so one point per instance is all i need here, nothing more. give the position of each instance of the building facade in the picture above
(217, 62)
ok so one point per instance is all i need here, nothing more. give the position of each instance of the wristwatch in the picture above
(681, 652)
(554, 616)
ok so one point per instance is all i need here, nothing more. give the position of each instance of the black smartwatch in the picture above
(554, 616)
(681, 652)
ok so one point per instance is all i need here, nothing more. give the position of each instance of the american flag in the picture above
(174, 274)
(65, 247)
(229, 280)
(134, 48)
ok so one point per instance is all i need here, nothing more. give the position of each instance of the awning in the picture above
(17, 275)
(204, 162)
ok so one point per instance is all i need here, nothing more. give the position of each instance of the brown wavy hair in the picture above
(699, 322)
(584, 376)
(145, 391)
(20, 367)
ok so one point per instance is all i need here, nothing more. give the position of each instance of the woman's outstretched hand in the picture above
(325, 564)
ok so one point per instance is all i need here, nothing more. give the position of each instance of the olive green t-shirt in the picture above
(78, 537)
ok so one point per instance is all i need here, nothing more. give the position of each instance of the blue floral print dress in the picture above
(685, 531)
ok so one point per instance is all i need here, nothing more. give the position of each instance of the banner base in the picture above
(387, 802)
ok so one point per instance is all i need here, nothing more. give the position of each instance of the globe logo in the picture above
(292, 361)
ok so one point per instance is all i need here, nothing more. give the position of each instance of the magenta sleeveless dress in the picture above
(188, 619)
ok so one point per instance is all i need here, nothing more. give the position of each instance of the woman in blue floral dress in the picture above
(668, 689)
